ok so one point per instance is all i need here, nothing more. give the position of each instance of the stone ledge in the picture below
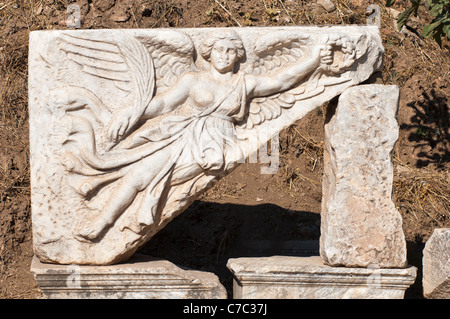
(142, 277)
(281, 277)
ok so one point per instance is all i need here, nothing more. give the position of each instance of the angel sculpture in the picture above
(180, 132)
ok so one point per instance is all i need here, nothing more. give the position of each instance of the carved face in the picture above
(223, 56)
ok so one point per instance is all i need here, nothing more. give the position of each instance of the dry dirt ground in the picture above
(246, 213)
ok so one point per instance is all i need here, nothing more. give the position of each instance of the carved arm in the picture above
(284, 78)
(169, 100)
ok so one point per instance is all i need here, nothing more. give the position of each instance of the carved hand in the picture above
(322, 55)
(121, 123)
(326, 55)
(349, 51)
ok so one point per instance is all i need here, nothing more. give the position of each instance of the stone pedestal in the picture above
(141, 277)
(281, 277)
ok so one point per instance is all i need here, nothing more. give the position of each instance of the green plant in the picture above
(438, 9)
(422, 132)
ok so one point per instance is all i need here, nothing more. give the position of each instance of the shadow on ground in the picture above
(429, 129)
(207, 234)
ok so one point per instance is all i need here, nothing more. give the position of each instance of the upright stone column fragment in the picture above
(360, 225)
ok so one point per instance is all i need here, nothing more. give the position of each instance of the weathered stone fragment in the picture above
(360, 226)
(327, 5)
(436, 265)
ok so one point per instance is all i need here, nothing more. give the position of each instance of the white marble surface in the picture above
(127, 127)
(360, 225)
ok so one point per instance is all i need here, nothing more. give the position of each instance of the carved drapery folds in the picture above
(128, 126)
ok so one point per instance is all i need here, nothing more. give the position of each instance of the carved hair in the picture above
(212, 38)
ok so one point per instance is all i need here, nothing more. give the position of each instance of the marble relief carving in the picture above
(127, 127)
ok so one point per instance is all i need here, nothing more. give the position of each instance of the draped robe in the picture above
(198, 144)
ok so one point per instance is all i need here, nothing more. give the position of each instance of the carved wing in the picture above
(121, 59)
(141, 64)
(173, 55)
(273, 53)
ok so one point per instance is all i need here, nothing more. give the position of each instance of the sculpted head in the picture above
(223, 50)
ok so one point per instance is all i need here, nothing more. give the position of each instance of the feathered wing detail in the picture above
(173, 55)
(144, 65)
(119, 58)
(100, 58)
(139, 65)
(273, 53)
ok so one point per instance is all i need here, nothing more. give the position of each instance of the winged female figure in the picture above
(181, 129)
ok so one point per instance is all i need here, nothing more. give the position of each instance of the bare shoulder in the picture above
(251, 82)
(191, 76)
(184, 84)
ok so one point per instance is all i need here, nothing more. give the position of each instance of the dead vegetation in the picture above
(417, 65)
(298, 142)
(422, 196)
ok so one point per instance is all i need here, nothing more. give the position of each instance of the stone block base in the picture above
(281, 277)
(142, 277)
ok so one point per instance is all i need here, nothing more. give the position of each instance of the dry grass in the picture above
(301, 159)
(14, 145)
(14, 169)
(422, 195)
(430, 61)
